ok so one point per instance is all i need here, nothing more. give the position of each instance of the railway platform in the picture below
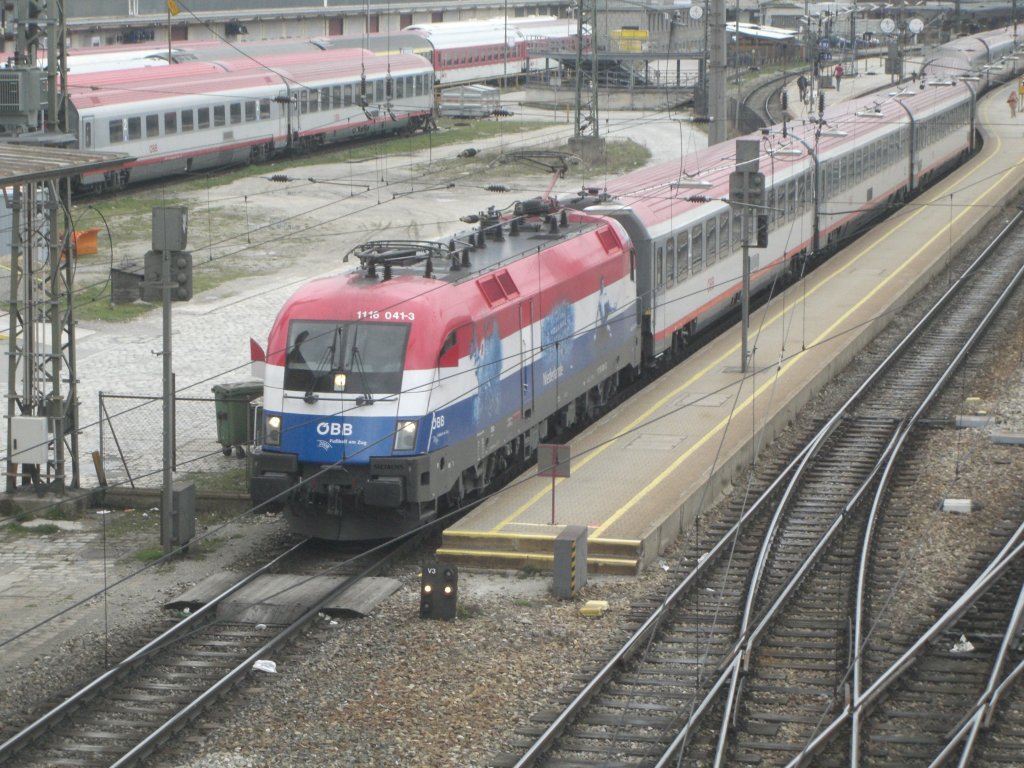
(639, 477)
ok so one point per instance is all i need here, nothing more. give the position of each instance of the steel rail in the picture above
(968, 731)
(543, 742)
(750, 638)
(992, 573)
(147, 745)
(747, 640)
(34, 730)
(565, 717)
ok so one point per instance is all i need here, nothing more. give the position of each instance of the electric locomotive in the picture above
(431, 371)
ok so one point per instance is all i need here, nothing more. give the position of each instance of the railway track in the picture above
(128, 712)
(773, 644)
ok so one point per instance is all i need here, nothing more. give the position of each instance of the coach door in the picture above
(526, 357)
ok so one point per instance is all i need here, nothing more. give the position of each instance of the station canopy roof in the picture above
(21, 163)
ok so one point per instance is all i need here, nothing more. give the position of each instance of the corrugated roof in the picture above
(20, 163)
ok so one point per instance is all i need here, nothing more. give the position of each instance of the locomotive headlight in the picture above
(273, 430)
(339, 382)
(405, 435)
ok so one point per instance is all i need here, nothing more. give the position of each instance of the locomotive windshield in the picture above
(356, 357)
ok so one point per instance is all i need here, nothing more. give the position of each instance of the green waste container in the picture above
(234, 425)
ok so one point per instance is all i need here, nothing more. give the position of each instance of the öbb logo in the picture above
(334, 429)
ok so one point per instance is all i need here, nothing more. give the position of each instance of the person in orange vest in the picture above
(1012, 101)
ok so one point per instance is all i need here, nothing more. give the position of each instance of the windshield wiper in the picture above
(357, 361)
(324, 365)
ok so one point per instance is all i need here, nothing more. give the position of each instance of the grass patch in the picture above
(619, 156)
(229, 481)
(149, 554)
(62, 513)
(17, 529)
(468, 611)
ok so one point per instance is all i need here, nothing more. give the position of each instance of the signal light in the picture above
(439, 591)
(181, 276)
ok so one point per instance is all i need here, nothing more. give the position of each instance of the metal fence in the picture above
(131, 439)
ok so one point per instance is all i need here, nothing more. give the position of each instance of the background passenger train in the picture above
(200, 115)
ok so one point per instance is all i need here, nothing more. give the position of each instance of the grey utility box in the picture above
(570, 568)
(183, 512)
(30, 441)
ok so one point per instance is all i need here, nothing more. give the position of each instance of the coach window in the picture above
(791, 199)
(697, 248)
(264, 109)
(152, 126)
(659, 268)
(219, 118)
(737, 225)
(335, 96)
(399, 87)
(250, 111)
(769, 202)
(379, 89)
(187, 122)
(236, 112)
(170, 123)
(348, 96)
(134, 128)
(325, 99)
(202, 118)
(117, 131)
(683, 257)
(670, 262)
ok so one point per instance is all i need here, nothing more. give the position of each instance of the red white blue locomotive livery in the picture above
(435, 368)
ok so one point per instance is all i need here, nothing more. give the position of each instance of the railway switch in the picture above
(439, 591)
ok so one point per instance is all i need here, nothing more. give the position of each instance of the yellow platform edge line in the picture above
(528, 556)
(534, 537)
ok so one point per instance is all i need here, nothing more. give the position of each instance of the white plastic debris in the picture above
(102, 511)
(266, 665)
(963, 645)
(959, 506)
(260, 627)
